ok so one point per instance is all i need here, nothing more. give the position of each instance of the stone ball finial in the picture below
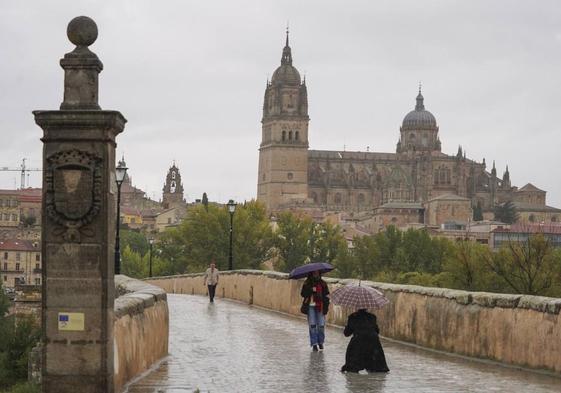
(82, 31)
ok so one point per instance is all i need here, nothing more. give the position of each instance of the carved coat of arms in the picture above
(73, 196)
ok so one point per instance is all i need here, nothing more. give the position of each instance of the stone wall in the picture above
(141, 328)
(515, 329)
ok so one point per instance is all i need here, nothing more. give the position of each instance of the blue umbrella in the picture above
(304, 270)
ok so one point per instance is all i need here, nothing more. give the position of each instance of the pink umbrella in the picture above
(356, 296)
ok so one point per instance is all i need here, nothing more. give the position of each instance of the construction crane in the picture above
(23, 169)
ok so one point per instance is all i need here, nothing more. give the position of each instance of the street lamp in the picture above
(120, 173)
(151, 241)
(231, 208)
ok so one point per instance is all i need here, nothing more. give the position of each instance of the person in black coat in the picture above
(364, 350)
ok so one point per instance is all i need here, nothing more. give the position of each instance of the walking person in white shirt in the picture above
(211, 280)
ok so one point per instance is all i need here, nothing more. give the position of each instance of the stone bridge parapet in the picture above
(518, 330)
(141, 328)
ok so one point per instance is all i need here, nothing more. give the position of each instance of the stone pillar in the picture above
(78, 226)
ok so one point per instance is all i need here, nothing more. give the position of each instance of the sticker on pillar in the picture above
(71, 321)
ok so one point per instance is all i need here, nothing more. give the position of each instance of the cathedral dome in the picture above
(419, 118)
(286, 74)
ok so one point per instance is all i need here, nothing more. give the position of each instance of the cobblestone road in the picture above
(232, 347)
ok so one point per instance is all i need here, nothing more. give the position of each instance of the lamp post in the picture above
(151, 241)
(231, 208)
(120, 173)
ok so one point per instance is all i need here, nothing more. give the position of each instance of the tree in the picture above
(466, 267)
(506, 213)
(204, 236)
(388, 243)
(292, 241)
(532, 267)
(4, 302)
(138, 266)
(345, 266)
(135, 240)
(326, 242)
(252, 236)
(16, 341)
(366, 256)
(418, 252)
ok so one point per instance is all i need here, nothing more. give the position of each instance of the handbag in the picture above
(305, 306)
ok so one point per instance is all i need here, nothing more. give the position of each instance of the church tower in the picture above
(173, 189)
(283, 153)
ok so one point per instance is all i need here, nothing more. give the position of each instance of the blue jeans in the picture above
(316, 323)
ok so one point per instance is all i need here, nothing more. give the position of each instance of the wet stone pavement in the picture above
(231, 347)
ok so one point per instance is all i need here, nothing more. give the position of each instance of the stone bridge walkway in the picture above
(232, 347)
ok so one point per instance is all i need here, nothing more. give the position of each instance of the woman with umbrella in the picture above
(315, 303)
(364, 351)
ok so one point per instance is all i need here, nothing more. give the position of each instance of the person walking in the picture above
(211, 280)
(315, 305)
(364, 350)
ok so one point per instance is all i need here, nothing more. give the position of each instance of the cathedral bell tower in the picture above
(173, 189)
(283, 153)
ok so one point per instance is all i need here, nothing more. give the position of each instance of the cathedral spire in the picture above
(420, 100)
(286, 52)
(506, 174)
(506, 178)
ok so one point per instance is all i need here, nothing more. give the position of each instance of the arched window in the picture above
(297, 135)
(361, 199)
(290, 176)
(554, 218)
(173, 175)
(337, 199)
(532, 218)
(442, 175)
(315, 197)
(289, 135)
(284, 136)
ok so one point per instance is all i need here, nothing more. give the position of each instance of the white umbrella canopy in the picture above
(356, 296)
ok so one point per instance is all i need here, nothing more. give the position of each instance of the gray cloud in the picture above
(190, 76)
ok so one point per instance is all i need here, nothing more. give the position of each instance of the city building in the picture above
(521, 233)
(20, 262)
(134, 197)
(10, 214)
(418, 182)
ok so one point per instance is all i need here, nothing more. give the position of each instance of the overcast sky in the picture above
(190, 77)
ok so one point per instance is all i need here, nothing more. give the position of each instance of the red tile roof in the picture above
(19, 245)
(131, 211)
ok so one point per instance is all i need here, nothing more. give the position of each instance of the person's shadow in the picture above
(371, 382)
(211, 310)
(315, 378)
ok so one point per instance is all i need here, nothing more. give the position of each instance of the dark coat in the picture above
(364, 350)
(307, 292)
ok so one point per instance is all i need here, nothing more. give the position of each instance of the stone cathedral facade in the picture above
(291, 175)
